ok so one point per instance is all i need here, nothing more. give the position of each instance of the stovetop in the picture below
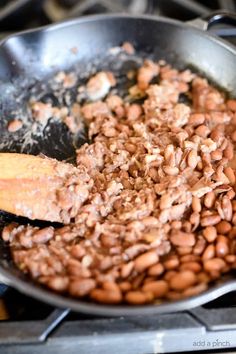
(29, 326)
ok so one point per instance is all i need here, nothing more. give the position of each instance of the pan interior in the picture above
(29, 62)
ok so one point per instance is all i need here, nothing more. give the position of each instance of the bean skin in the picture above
(227, 208)
(229, 151)
(223, 227)
(58, 283)
(231, 104)
(234, 219)
(200, 246)
(43, 235)
(81, 287)
(169, 274)
(77, 251)
(208, 253)
(171, 263)
(184, 250)
(210, 233)
(126, 269)
(145, 261)
(106, 296)
(195, 290)
(182, 239)
(203, 131)
(230, 174)
(193, 266)
(233, 136)
(230, 258)
(216, 155)
(196, 119)
(190, 258)
(159, 288)
(174, 295)
(222, 248)
(214, 264)
(138, 297)
(203, 277)
(196, 205)
(193, 159)
(210, 220)
(125, 286)
(182, 280)
(156, 269)
(209, 199)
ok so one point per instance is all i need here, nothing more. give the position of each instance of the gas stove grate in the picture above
(21, 14)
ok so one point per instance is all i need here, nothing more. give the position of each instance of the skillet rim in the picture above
(91, 18)
(54, 299)
(92, 308)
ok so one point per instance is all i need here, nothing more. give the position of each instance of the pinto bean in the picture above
(229, 151)
(231, 104)
(202, 130)
(222, 247)
(217, 155)
(156, 270)
(208, 253)
(196, 205)
(210, 220)
(223, 227)
(58, 283)
(193, 159)
(195, 290)
(43, 235)
(193, 266)
(138, 297)
(200, 246)
(182, 239)
(190, 258)
(106, 296)
(196, 119)
(145, 261)
(81, 287)
(214, 264)
(125, 286)
(159, 288)
(171, 263)
(210, 233)
(229, 172)
(182, 280)
(209, 199)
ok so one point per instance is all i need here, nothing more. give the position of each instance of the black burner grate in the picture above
(189, 9)
(61, 9)
(21, 14)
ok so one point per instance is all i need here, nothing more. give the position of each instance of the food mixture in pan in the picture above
(155, 215)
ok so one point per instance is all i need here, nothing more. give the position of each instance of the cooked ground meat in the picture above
(158, 221)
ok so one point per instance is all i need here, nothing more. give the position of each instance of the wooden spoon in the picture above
(29, 185)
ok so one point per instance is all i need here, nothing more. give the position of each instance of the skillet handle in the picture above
(223, 17)
(208, 22)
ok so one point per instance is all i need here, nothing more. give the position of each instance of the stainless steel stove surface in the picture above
(29, 326)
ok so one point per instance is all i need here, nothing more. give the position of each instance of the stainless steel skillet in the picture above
(29, 58)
